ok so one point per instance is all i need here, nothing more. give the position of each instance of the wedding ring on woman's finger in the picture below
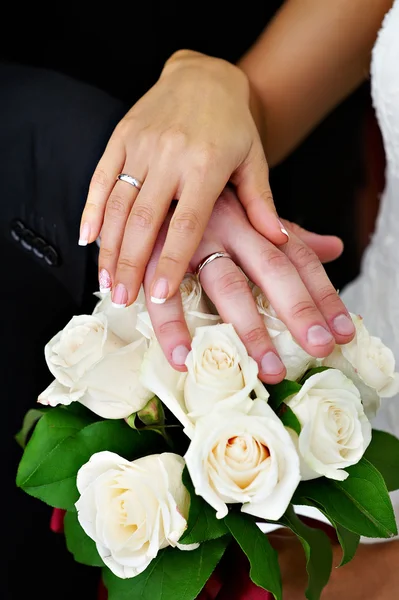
(130, 180)
(208, 259)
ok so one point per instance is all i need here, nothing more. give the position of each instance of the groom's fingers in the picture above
(228, 289)
(326, 247)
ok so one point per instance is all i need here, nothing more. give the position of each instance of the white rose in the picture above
(249, 459)
(220, 372)
(294, 358)
(94, 367)
(366, 360)
(132, 509)
(79, 346)
(335, 432)
(121, 321)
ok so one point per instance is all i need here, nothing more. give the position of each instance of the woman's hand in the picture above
(292, 277)
(185, 139)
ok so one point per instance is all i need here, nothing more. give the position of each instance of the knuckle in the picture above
(204, 156)
(267, 196)
(171, 260)
(142, 217)
(173, 139)
(106, 254)
(305, 258)
(254, 336)
(170, 327)
(186, 222)
(126, 263)
(99, 180)
(304, 309)
(116, 206)
(231, 284)
(328, 295)
(272, 259)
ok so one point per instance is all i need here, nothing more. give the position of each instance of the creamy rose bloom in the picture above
(369, 364)
(96, 368)
(79, 346)
(335, 431)
(220, 374)
(246, 459)
(121, 321)
(294, 358)
(132, 509)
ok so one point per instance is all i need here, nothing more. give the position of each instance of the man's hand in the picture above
(372, 574)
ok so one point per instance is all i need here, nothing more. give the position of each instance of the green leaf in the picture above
(361, 503)
(173, 575)
(79, 544)
(312, 372)
(30, 420)
(349, 542)
(383, 453)
(265, 570)
(202, 524)
(281, 391)
(318, 553)
(289, 418)
(63, 441)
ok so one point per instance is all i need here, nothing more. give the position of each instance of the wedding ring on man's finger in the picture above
(208, 259)
(130, 180)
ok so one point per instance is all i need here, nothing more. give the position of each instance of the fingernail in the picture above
(84, 235)
(283, 229)
(104, 279)
(271, 364)
(343, 325)
(179, 355)
(160, 291)
(119, 296)
(319, 336)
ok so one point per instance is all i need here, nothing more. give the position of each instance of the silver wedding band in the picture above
(131, 180)
(208, 259)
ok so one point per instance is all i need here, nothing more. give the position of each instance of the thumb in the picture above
(253, 190)
(327, 247)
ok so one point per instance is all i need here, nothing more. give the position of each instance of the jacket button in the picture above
(51, 257)
(39, 247)
(17, 228)
(27, 239)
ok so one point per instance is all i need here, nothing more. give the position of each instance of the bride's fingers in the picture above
(101, 185)
(141, 229)
(168, 320)
(228, 289)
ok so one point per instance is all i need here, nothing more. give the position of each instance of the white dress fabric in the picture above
(375, 293)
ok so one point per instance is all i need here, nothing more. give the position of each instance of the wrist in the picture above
(220, 70)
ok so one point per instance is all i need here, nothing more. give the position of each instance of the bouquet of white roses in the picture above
(159, 472)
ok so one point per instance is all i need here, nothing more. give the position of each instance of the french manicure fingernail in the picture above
(271, 364)
(343, 325)
(283, 229)
(119, 296)
(84, 235)
(179, 355)
(319, 336)
(160, 291)
(104, 280)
